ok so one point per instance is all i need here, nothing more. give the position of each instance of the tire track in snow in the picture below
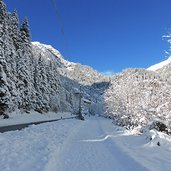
(51, 165)
(83, 151)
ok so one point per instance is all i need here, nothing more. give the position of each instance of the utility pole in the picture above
(80, 99)
(80, 104)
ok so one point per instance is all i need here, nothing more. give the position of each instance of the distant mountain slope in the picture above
(75, 71)
(74, 76)
(137, 96)
(163, 69)
(132, 97)
(159, 65)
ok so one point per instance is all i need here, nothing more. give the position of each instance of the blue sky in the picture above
(108, 35)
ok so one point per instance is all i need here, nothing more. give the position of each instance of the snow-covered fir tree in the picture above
(4, 92)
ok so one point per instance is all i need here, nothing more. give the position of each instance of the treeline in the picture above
(26, 81)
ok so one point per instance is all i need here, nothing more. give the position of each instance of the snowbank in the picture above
(17, 117)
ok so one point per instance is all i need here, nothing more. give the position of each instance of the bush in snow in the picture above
(159, 126)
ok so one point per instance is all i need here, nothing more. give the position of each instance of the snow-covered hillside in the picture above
(137, 96)
(73, 76)
(75, 71)
(159, 65)
(132, 98)
(48, 51)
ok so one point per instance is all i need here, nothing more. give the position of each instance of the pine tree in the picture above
(26, 48)
(24, 67)
(15, 33)
(4, 91)
(3, 12)
(52, 78)
(25, 32)
(7, 52)
(41, 86)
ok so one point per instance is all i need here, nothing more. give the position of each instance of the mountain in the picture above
(74, 76)
(75, 71)
(159, 65)
(163, 69)
(132, 98)
(137, 96)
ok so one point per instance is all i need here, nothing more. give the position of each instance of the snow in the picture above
(17, 117)
(159, 65)
(44, 48)
(86, 101)
(94, 144)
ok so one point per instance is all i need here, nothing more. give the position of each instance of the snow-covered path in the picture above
(71, 145)
(90, 148)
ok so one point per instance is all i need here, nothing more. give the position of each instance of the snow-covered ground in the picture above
(71, 145)
(17, 117)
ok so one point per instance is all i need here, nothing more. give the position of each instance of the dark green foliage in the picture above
(15, 33)
(25, 31)
(3, 12)
(4, 93)
(159, 126)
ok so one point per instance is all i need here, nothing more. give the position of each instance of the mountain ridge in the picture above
(122, 97)
(160, 65)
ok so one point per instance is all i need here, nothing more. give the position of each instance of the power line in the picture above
(61, 25)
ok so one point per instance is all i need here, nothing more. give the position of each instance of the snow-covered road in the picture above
(91, 148)
(71, 145)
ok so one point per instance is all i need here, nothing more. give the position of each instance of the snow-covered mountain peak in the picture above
(72, 70)
(44, 48)
(159, 65)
